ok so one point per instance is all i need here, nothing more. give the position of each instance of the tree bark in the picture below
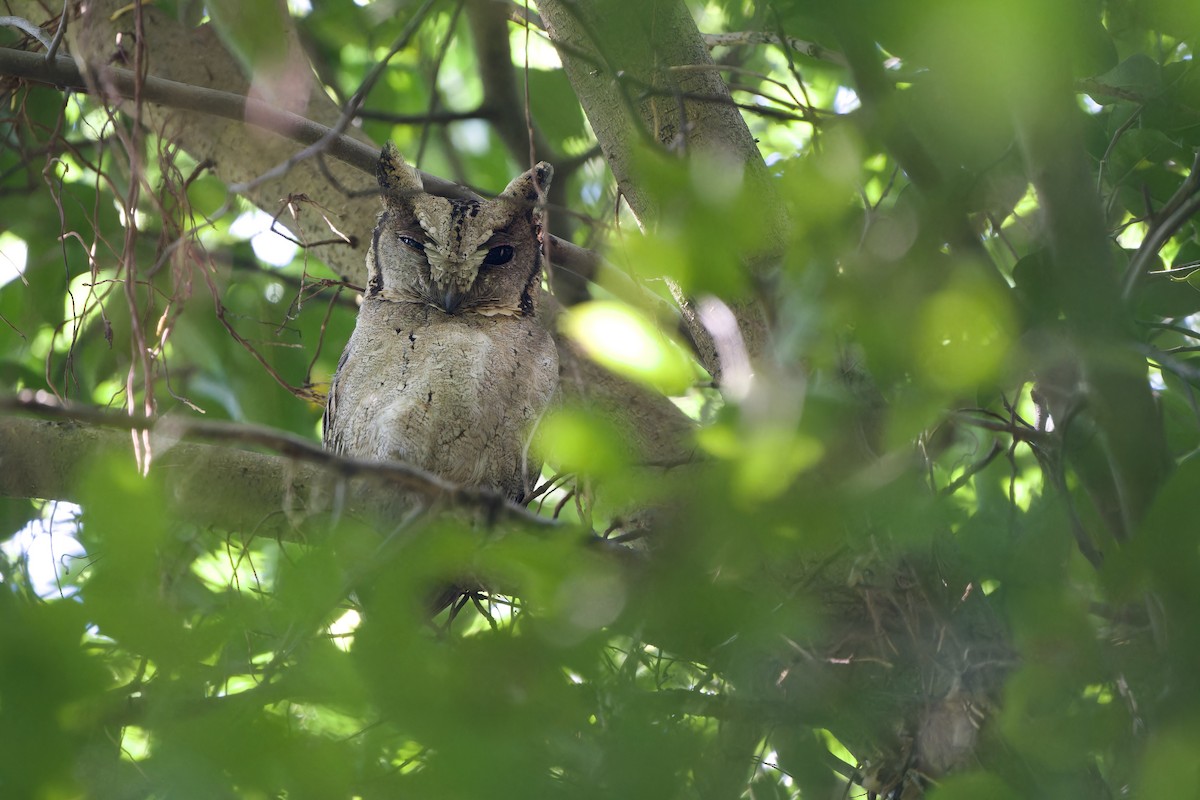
(659, 432)
(225, 485)
(619, 56)
(240, 154)
(209, 485)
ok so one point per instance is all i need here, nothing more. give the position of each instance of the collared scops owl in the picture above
(448, 368)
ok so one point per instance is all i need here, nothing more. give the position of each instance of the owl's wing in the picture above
(330, 435)
(544, 396)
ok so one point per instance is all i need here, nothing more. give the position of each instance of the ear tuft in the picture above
(525, 186)
(396, 178)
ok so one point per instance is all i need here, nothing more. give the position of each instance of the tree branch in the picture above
(227, 486)
(194, 58)
(607, 48)
(804, 48)
(63, 73)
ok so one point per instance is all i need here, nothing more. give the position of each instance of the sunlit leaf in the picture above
(963, 336)
(625, 341)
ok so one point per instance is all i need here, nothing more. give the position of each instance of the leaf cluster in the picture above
(935, 534)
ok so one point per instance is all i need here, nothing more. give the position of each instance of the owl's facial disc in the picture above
(459, 256)
(462, 273)
(448, 296)
(449, 275)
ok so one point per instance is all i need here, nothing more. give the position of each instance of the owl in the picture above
(448, 368)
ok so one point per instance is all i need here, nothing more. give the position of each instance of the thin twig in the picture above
(1182, 205)
(742, 38)
(971, 471)
(60, 32)
(26, 27)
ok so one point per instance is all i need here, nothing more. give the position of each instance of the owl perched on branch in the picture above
(447, 368)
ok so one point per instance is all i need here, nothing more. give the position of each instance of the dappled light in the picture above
(825, 428)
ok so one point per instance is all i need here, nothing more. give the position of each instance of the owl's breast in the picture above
(456, 395)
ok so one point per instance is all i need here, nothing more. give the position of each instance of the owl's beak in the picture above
(451, 299)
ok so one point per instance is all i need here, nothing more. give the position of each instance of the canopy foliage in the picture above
(884, 484)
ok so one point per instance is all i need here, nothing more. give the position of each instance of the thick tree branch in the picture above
(612, 51)
(363, 156)
(64, 73)
(226, 486)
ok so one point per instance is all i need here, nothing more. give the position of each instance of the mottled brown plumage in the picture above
(448, 369)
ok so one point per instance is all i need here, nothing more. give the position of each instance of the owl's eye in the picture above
(502, 254)
(413, 243)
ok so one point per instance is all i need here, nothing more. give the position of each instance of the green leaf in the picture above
(1169, 764)
(973, 786)
(51, 688)
(1138, 75)
(628, 343)
(123, 592)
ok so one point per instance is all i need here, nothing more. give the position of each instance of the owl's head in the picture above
(461, 256)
